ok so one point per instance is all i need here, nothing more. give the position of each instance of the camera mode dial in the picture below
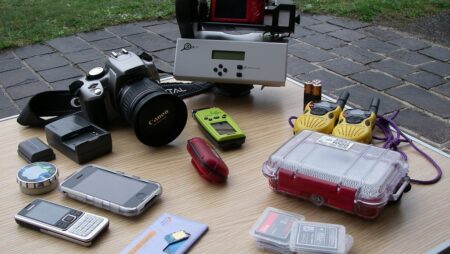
(96, 73)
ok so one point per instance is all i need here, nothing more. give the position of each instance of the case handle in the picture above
(402, 188)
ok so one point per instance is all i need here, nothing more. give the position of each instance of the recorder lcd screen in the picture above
(223, 128)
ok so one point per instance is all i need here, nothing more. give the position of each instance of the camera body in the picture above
(129, 85)
(99, 90)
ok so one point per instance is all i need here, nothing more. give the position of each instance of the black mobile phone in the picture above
(111, 190)
(62, 221)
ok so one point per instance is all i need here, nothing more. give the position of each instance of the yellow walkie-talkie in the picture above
(357, 124)
(320, 116)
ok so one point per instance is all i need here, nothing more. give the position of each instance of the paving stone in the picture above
(376, 45)
(343, 67)
(60, 73)
(302, 32)
(69, 44)
(45, 62)
(150, 23)
(5, 102)
(62, 84)
(381, 34)
(324, 28)
(410, 43)
(167, 55)
(125, 30)
(446, 147)
(323, 41)
(438, 53)
(307, 21)
(17, 77)
(377, 80)
(110, 44)
(443, 89)
(348, 23)
(323, 18)
(163, 28)
(357, 54)
(10, 64)
(429, 127)
(439, 68)
(22, 103)
(150, 42)
(296, 66)
(361, 96)
(422, 99)
(26, 90)
(84, 56)
(86, 67)
(424, 79)
(6, 54)
(310, 53)
(33, 50)
(131, 48)
(410, 57)
(7, 112)
(330, 81)
(394, 67)
(161, 65)
(96, 35)
(347, 35)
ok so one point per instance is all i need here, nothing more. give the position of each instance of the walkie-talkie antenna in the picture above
(342, 100)
(374, 105)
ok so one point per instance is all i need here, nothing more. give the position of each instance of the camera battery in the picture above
(78, 139)
(34, 150)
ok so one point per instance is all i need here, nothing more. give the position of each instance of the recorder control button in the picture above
(225, 69)
(220, 66)
(239, 75)
(215, 69)
(239, 67)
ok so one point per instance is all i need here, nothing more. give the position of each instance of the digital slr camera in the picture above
(129, 86)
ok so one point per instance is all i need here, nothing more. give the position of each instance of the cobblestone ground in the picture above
(406, 73)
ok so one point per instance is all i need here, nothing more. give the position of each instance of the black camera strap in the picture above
(49, 106)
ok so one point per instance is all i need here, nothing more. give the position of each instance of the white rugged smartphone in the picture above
(62, 221)
(111, 190)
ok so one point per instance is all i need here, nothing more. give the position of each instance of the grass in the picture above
(28, 21)
(24, 22)
(373, 10)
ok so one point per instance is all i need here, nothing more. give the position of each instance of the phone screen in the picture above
(109, 186)
(46, 212)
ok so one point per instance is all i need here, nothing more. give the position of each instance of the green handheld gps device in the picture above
(219, 127)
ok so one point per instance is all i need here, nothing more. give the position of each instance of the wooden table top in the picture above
(418, 223)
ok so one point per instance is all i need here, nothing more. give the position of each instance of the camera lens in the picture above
(157, 116)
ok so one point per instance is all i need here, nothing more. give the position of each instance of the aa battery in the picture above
(316, 94)
(307, 93)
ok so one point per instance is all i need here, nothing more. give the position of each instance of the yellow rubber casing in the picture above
(359, 132)
(320, 123)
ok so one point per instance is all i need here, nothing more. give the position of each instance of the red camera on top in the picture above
(237, 11)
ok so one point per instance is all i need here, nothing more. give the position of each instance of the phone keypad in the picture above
(85, 225)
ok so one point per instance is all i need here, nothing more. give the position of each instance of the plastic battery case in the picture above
(315, 237)
(272, 230)
(354, 177)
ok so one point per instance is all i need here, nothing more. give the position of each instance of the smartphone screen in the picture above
(110, 186)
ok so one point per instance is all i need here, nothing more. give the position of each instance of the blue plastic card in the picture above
(169, 234)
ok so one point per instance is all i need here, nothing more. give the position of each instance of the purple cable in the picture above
(393, 138)
(290, 121)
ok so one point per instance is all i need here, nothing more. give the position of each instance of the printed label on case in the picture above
(335, 142)
(322, 237)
